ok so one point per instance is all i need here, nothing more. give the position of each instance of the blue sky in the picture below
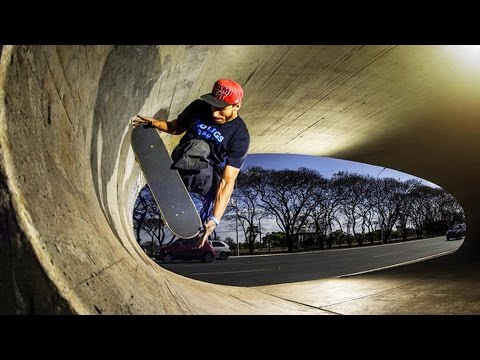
(325, 166)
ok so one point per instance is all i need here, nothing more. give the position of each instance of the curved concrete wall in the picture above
(69, 179)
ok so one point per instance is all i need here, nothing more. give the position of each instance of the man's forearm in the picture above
(224, 192)
(166, 126)
(159, 124)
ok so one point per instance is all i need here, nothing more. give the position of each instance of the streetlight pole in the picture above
(236, 216)
(236, 227)
(380, 172)
(260, 233)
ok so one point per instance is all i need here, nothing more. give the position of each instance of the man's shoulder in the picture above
(241, 125)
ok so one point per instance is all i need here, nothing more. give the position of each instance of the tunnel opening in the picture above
(337, 205)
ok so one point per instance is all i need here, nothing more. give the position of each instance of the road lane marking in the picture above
(387, 254)
(399, 264)
(234, 272)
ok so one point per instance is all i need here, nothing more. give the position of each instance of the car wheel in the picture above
(224, 256)
(167, 258)
(208, 257)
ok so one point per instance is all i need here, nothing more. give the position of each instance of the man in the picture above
(212, 150)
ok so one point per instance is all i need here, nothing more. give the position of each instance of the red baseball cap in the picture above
(224, 93)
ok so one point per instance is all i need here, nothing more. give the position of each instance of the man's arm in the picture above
(170, 127)
(224, 192)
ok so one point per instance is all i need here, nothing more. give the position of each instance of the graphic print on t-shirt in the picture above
(207, 132)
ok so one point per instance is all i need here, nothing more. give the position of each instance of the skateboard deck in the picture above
(174, 202)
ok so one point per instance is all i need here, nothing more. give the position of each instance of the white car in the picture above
(222, 250)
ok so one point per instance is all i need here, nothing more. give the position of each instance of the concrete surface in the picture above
(68, 179)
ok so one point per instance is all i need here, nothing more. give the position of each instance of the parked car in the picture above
(457, 231)
(222, 250)
(185, 249)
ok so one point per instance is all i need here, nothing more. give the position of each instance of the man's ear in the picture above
(238, 106)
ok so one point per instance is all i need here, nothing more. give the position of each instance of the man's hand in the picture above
(139, 119)
(207, 230)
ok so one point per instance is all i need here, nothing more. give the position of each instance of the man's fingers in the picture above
(202, 239)
(138, 119)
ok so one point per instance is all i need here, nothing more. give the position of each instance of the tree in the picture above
(229, 241)
(355, 204)
(275, 239)
(405, 206)
(386, 200)
(451, 210)
(244, 206)
(287, 195)
(147, 220)
(328, 198)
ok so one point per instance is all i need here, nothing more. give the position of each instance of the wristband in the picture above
(215, 220)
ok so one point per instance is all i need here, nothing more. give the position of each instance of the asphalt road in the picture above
(286, 268)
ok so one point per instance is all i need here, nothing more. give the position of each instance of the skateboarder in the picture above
(212, 150)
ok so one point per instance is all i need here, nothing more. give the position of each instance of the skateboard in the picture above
(174, 202)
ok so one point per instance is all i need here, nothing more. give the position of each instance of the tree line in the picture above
(346, 208)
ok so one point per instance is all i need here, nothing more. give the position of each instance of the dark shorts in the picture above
(199, 175)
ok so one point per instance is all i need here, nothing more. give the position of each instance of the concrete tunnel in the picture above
(68, 178)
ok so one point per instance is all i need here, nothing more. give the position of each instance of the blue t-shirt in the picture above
(228, 142)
